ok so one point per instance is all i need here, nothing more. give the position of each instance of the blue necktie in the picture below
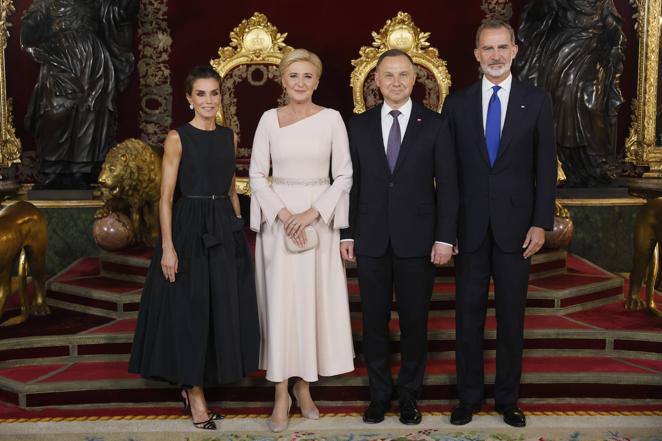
(493, 126)
(394, 140)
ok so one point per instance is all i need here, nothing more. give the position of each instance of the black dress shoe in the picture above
(512, 415)
(409, 413)
(375, 412)
(463, 413)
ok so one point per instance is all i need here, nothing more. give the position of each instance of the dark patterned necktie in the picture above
(394, 140)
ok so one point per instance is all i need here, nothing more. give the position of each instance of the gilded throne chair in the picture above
(250, 83)
(432, 78)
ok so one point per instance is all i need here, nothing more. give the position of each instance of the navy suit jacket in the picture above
(519, 190)
(400, 208)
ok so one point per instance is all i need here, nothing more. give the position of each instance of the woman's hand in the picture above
(169, 264)
(300, 238)
(284, 215)
(297, 222)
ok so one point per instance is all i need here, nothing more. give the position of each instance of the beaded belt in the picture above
(207, 196)
(295, 181)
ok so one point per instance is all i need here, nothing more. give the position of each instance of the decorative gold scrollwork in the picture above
(497, 8)
(10, 145)
(154, 72)
(254, 41)
(640, 147)
(400, 32)
(255, 51)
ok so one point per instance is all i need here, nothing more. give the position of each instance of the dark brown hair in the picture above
(198, 73)
(393, 53)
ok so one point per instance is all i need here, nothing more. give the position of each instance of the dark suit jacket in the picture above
(519, 190)
(401, 208)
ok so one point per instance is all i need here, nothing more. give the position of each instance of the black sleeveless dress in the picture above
(202, 329)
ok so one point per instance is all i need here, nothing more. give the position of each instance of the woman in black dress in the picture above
(198, 322)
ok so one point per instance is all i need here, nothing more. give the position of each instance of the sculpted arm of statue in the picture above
(172, 154)
(34, 28)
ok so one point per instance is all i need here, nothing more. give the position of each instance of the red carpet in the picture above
(580, 347)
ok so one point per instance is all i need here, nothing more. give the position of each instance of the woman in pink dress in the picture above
(302, 297)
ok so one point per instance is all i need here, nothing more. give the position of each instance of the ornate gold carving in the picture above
(646, 261)
(154, 72)
(400, 32)
(10, 145)
(255, 42)
(131, 175)
(640, 145)
(229, 100)
(497, 8)
(23, 227)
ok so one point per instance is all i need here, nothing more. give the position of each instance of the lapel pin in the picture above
(523, 106)
(418, 120)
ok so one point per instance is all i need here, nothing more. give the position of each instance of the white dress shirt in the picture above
(387, 120)
(387, 123)
(503, 94)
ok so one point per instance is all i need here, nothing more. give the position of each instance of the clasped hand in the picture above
(295, 223)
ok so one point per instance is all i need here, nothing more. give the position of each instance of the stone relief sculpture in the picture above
(84, 49)
(575, 50)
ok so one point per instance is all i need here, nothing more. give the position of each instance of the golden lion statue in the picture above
(131, 175)
(23, 239)
(647, 248)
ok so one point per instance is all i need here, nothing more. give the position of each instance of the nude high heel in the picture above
(313, 414)
(279, 426)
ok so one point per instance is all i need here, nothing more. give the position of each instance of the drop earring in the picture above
(190, 106)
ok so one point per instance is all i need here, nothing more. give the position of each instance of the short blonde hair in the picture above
(300, 55)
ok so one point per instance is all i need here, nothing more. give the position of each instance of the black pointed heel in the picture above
(205, 425)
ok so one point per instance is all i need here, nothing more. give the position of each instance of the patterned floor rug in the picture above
(485, 427)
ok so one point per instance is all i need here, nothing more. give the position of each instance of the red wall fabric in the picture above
(335, 30)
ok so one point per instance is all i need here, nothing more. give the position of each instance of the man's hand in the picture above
(347, 250)
(535, 239)
(441, 253)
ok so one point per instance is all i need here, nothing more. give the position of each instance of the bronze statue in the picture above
(646, 259)
(131, 178)
(575, 50)
(84, 48)
(23, 241)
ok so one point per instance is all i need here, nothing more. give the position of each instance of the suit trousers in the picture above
(510, 273)
(412, 279)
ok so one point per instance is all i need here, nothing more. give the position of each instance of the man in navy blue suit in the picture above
(501, 134)
(398, 230)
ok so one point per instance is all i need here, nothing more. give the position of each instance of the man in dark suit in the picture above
(502, 137)
(396, 231)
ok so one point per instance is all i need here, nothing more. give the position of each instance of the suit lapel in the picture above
(377, 138)
(515, 106)
(476, 112)
(411, 134)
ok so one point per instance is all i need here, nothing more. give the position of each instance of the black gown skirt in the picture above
(202, 329)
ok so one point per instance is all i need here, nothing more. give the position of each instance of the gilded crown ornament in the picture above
(399, 32)
(255, 40)
(253, 56)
